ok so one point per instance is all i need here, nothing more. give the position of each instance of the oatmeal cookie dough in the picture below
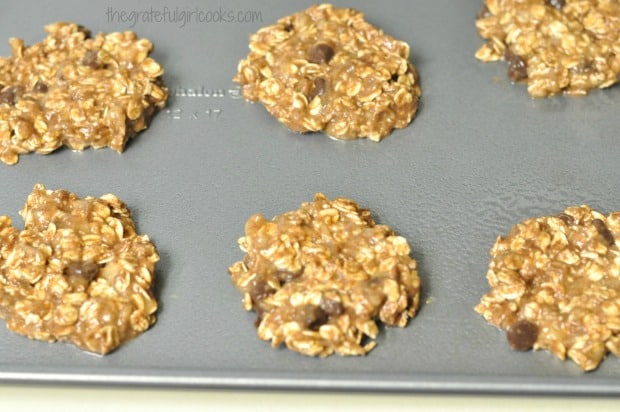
(555, 285)
(77, 273)
(319, 278)
(75, 90)
(555, 46)
(326, 69)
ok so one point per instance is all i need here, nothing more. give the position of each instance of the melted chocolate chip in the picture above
(82, 270)
(82, 29)
(285, 276)
(522, 335)
(583, 68)
(90, 59)
(318, 88)
(568, 219)
(116, 214)
(310, 316)
(8, 95)
(558, 4)
(149, 111)
(320, 54)
(259, 290)
(147, 114)
(40, 87)
(260, 314)
(483, 13)
(331, 307)
(603, 230)
(517, 69)
(129, 127)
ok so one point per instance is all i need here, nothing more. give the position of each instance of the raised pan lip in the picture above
(405, 384)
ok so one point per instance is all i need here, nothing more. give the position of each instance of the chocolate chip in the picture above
(568, 219)
(517, 69)
(331, 307)
(149, 110)
(260, 314)
(8, 95)
(286, 276)
(558, 4)
(522, 335)
(90, 59)
(320, 54)
(603, 230)
(259, 290)
(394, 77)
(82, 270)
(129, 127)
(583, 68)
(483, 13)
(82, 29)
(289, 27)
(310, 316)
(318, 89)
(115, 213)
(40, 87)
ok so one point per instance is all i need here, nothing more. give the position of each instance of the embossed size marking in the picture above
(179, 114)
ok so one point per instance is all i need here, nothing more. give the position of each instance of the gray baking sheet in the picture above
(480, 156)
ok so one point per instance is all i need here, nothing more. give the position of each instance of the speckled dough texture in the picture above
(326, 69)
(76, 90)
(555, 285)
(555, 46)
(77, 273)
(322, 276)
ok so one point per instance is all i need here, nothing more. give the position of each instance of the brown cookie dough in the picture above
(77, 273)
(326, 69)
(320, 277)
(555, 46)
(555, 284)
(75, 90)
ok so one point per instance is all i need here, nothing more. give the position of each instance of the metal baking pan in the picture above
(480, 156)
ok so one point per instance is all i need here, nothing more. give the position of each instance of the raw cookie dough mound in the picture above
(77, 273)
(326, 69)
(555, 284)
(320, 277)
(556, 46)
(77, 91)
